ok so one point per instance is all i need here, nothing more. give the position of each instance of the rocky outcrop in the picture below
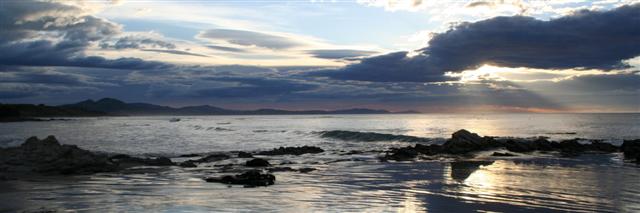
(369, 136)
(293, 150)
(306, 170)
(257, 162)
(631, 150)
(464, 142)
(48, 156)
(244, 155)
(188, 164)
(251, 178)
(502, 154)
(289, 169)
(401, 154)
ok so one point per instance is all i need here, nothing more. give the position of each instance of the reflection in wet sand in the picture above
(549, 187)
(461, 170)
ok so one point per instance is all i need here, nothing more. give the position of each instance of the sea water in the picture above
(341, 182)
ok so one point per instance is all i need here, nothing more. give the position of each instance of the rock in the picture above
(244, 155)
(251, 178)
(281, 169)
(212, 158)
(369, 136)
(598, 146)
(520, 146)
(432, 149)
(188, 164)
(257, 162)
(571, 146)
(189, 155)
(631, 149)
(401, 154)
(47, 156)
(502, 154)
(462, 142)
(293, 150)
(306, 170)
(161, 161)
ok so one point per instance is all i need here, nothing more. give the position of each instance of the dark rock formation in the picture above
(47, 156)
(464, 142)
(189, 155)
(257, 162)
(251, 178)
(244, 155)
(401, 154)
(502, 154)
(292, 150)
(306, 170)
(410, 153)
(369, 136)
(289, 169)
(602, 147)
(188, 164)
(631, 150)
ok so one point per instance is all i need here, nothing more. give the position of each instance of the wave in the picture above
(370, 136)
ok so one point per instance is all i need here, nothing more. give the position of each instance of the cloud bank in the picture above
(584, 40)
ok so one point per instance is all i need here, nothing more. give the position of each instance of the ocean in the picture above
(341, 182)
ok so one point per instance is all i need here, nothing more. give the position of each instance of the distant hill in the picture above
(115, 107)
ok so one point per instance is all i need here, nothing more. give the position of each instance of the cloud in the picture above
(136, 42)
(251, 38)
(339, 53)
(175, 52)
(393, 5)
(227, 49)
(47, 33)
(22, 82)
(254, 87)
(584, 40)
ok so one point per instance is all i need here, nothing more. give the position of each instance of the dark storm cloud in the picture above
(27, 19)
(584, 40)
(14, 94)
(42, 33)
(250, 38)
(254, 87)
(340, 53)
(393, 67)
(22, 82)
(46, 53)
(44, 77)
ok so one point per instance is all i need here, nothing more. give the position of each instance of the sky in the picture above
(430, 56)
